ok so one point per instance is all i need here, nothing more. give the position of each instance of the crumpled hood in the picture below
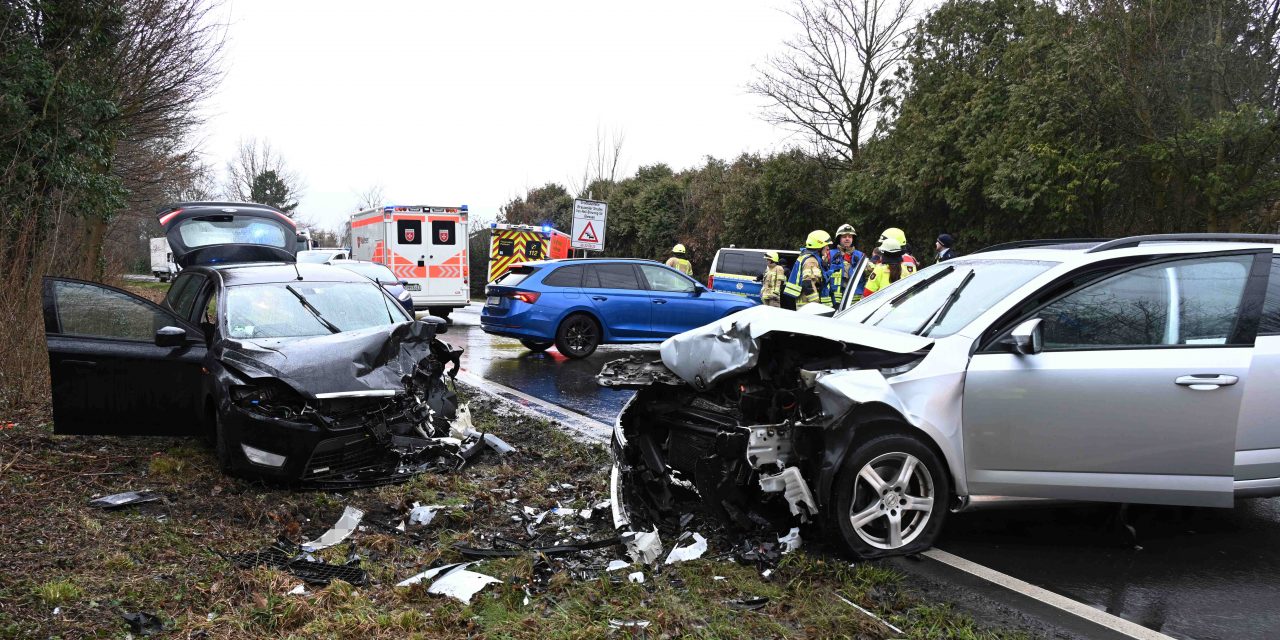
(730, 346)
(372, 359)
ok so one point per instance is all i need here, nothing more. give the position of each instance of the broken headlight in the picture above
(271, 398)
(900, 369)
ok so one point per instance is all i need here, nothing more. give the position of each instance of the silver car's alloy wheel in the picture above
(893, 499)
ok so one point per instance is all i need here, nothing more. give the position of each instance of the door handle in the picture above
(1206, 382)
(87, 364)
(600, 298)
(659, 301)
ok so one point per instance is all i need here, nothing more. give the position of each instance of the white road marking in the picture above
(578, 424)
(1114, 623)
(596, 431)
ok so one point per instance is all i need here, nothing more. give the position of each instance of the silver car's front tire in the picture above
(891, 497)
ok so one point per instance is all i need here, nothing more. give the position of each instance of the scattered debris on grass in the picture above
(350, 519)
(290, 557)
(124, 499)
(144, 623)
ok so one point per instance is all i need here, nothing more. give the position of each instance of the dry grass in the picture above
(94, 565)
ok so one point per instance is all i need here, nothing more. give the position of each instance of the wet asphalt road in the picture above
(1207, 574)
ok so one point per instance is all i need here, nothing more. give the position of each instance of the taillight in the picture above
(527, 297)
(711, 282)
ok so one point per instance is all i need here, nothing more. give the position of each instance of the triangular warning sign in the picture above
(588, 234)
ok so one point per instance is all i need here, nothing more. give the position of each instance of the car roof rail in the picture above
(184, 205)
(1133, 241)
(1043, 242)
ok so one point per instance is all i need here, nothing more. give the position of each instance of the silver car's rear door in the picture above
(1136, 395)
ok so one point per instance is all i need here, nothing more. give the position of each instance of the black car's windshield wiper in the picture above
(946, 305)
(314, 311)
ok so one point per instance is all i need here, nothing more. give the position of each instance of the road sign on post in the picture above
(588, 224)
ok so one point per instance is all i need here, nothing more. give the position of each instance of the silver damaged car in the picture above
(1138, 370)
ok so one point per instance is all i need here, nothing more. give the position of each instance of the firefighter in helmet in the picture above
(808, 280)
(892, 268)
(679, 260)
(896, 234)
(774, 278)
(844, 257)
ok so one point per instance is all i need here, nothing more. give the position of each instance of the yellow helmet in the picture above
(817, 239)
(896, 234)
(771, 256)
(678, 249)
(889, 245)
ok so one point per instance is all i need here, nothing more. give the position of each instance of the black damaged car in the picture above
(297, 372)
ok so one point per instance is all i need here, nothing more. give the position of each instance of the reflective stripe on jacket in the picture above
(771, 287)
(807, 282)
(681, 265)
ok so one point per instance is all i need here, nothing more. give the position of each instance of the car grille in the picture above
(338, 456)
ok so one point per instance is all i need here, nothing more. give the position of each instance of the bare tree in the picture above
(373, 196)
(257, 162)
(604, 161)
(826, 83)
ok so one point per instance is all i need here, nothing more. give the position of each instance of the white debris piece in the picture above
(637, 577)
(718, 578)
(346, 524)
(424, 514)
(562, 511)
(585, 514)
(454, 581)
(300, 590)
(794, 488)
(462, 425)
(791, 541)
(766, 573)
(629, 624)
(617, 564)
(644, 547)
(689, 552)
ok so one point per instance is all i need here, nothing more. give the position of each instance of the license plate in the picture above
(413, 286)
(493, 301)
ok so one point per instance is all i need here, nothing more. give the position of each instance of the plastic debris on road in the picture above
(691, 551)
(124, 499)
(616, 565)
(423, 514)
(350, 519)
(637, 577)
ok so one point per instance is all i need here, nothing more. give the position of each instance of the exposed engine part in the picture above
(768, 445)
(792, 485)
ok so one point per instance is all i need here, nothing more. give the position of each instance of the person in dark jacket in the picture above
(945, 248)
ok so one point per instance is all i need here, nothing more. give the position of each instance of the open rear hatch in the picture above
(212, 232)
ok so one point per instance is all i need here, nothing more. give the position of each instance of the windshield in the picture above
(942, 299)
(370, 270)
(315, 257)
(295, 309)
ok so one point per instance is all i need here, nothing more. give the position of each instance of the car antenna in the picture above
(295, 269)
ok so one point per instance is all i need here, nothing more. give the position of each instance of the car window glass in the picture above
(666, 280)
(225, 229)
(616, 276)
(1188, 302)
(409, 231)
(730, 263)
(564, 277)
(210, 315)
(175, 289)
(273, 311)
(90, 310)
(514, 276)
(186, 299)
(589, 278)
(1271, 308)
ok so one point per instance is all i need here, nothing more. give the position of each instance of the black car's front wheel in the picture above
(891, 497)
(578, 336)
(536, 345)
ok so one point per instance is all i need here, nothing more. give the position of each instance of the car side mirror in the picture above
(1027, 338)
(699, 289)
(171, 337)
(441, 325)
(404, 283)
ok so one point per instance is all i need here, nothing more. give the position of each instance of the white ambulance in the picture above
(424, 246)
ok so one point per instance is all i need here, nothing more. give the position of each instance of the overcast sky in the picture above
(449, 103)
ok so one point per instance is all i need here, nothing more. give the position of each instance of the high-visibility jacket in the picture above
(681, 265)
(808, 281)
(880, 278)
(771, 285)
(840, 274)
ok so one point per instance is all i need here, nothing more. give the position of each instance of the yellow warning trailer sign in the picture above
(512, 244)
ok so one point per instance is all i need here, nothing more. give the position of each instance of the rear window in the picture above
(740, 263)
(565, 277)
(212, 230)
(514, 276)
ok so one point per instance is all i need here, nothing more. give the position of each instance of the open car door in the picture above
(120, 364)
